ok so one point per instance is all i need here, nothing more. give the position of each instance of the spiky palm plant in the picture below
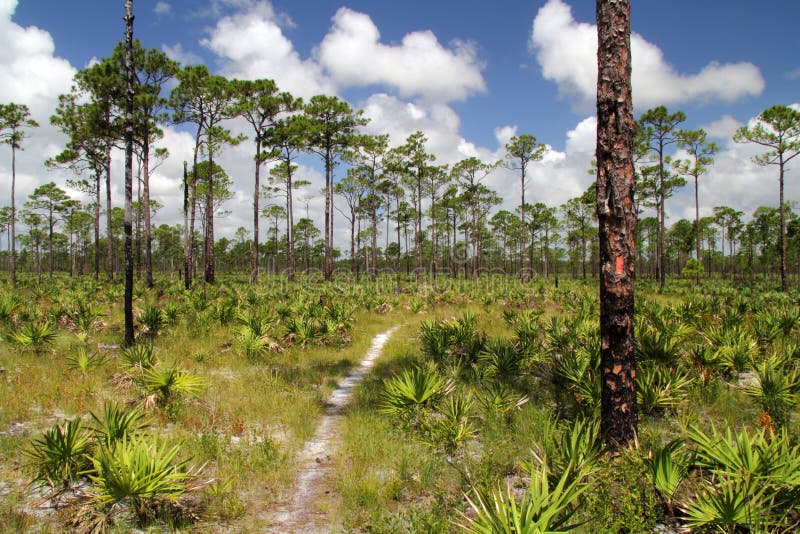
(571, 447)
(116, 423)
(667, 467)
(58, 457)
(542, 509)
(735, 348)
(450, 425)
(406, 395)
(138, 471)
(253, 344)
(86, 317)
(660, 388)
(84, 361)
(140, 356)
(37, 336)
(151, 320)
(10, 307)
(497, 398)
(501, 359)
(777, 389)
(435, 339)
(169, 382)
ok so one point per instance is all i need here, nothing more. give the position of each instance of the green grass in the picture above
(247, 425)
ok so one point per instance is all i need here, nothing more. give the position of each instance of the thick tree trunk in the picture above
(617, 223)
(128, 306)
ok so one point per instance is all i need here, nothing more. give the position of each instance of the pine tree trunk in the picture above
(784, 283)
(128, 306)
(13, 262)
(109, 231)
(373, 271)
(208, 256)
(97, 229)
(328, 268)
(148, 231)
(187, 242)
(523, 273)
(289, 222)
(254, 261)
(617, 223)
(50, 245)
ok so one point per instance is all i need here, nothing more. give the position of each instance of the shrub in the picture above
(59, 457)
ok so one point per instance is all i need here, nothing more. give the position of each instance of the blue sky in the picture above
(468, 73)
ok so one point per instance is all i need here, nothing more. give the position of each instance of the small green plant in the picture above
(728, 506)
(151, 320)
(667, 468)
(777, 390)
(84, 361)
(36, 336)
(140, 356)
(450, 426)
(116, 423)
(164, 383)
(86, 317)
(138, 471)
(497, 398)
(406, 394)
(253, 344)
(59, 456)
(660, 388)
(542, 509)
(501, 359)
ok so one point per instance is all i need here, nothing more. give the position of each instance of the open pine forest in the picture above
(481, 410)
(345, 331)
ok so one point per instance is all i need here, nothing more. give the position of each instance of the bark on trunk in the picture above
(13, 263)
(187, 242)
(784, 283)
(148, 234)
(109, 231)
(254, 261)
(617, 223)
(289, 223)
(328, 269)
(523, 273)
(97, 229)
(128, 306)
(208, 255)
(697, 227)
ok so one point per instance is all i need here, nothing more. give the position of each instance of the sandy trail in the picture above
(299, 511)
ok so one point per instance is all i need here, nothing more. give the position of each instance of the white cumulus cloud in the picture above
(567, 53)
(419, 66)
(251, 45)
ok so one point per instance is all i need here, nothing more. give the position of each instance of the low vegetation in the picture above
(481, 414)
